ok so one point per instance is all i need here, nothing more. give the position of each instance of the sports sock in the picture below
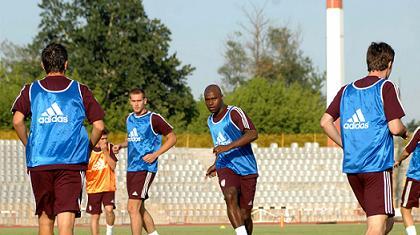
(109, 229)
(241, 230)
(411, 230)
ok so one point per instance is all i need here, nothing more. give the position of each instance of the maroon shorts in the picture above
(95, 201)
(411, 193)
(138, 184)
(373, 191)
(245, 185)
(57, 191)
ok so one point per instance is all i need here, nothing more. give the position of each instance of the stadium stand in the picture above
(296, 184)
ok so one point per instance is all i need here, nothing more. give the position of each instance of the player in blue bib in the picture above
(411, 192)
(144, 142)
(370, 114)
(232, 133)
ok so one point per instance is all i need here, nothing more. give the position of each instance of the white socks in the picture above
(154, 233)
(109, 229)
(411, 230)
(241, 230)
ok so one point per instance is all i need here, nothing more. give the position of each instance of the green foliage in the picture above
(277, 108)
(115, 47)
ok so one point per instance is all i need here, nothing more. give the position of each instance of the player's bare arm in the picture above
(169, 143)
(116, 148)
(106, 151)
(404, 155)
(98, 127)
(246, 138)
(327, 124)
(211, 171)
(20, 128)
(397, 128)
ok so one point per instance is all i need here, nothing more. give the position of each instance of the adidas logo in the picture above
(357, 121)
(133, 136)
(52, 115)
(135, 193)
(221, 139)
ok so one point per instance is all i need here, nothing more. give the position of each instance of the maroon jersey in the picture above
(94, 112)
(238, 117)
(390, 96)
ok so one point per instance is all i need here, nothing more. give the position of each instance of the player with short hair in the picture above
(370, 111)
(57, 148)
(144, 142)
(101, 185)
(411, 192)
(232, 132)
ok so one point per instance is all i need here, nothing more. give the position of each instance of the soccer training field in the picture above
(295, 229)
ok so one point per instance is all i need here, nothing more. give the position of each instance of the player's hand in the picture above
(211, 172)
(116, 148)
(104, 146)
(397, 164)
(221, 149)
(150, 158)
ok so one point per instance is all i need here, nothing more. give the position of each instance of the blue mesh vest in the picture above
(142, 140)
(367, 142)
(241, 160)
(57, 134)
(414, 168)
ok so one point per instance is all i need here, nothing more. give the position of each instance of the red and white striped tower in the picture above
(335, 52)
(335, 48)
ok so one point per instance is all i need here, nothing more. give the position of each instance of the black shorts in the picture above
(138, 184)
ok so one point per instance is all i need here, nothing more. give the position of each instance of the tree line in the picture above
(114, 46)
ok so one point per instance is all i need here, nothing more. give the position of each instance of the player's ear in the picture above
(390, 65)
(145, 100)
(66, 65)
(42, 66)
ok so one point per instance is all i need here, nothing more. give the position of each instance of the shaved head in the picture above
(213, 88)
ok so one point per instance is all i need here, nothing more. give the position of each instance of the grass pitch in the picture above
(294, 229)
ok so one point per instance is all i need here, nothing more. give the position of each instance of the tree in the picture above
(269, 52)
(276, 108)
(113, 46)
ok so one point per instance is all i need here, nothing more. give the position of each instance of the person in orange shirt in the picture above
(100, 184)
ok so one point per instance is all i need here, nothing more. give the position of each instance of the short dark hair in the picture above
(54, 58)
(378, 56)
(105, 131)
(137, 91)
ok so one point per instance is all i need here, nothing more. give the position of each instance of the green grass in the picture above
(294, 229)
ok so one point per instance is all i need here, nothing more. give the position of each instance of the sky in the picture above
(200, 28)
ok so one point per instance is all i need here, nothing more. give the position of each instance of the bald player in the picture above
(232, 132)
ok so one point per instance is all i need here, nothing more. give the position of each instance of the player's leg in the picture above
(138, 184)
(246, 200)
(94, 224)
(43, 189)
(109, 205)
(68, 187)
(230, 184)
(94, 208)
(46, 224)
(376, 224)
(133, 208)
(410, 199)
(148, 223)
(378, 202)
(65, 223)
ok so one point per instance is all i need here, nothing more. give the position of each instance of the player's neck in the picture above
(142, 112)
(55, 74)
(380, 74)
(221, 111)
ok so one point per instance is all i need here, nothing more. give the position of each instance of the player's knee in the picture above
(246, 215)
(109, 211)
(230, 197)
